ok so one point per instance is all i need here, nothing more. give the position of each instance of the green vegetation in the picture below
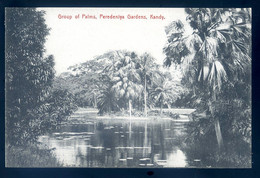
(31, 156)
(217, 61)
(165, 93)
(33, 106)
(121, 80)
(216, 64)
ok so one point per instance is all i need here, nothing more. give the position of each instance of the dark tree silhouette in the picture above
(29, 73)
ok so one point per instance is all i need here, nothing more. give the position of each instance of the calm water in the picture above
(85, 141)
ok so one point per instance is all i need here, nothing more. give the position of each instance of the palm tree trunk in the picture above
(109, 109)
(161, 108)
(95, 100)
(218, 133)
(145, 99)
(130, 108)
(216, 124)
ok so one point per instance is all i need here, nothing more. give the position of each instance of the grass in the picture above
(30, 156)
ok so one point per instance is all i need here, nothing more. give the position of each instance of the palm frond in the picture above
(217, 74)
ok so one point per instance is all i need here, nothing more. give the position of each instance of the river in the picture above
(85, 140)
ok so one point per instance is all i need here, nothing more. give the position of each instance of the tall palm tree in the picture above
(217, 52)
(148, 70)
(127, 81)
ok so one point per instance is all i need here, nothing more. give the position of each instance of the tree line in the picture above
(215, 59)
(122, 80)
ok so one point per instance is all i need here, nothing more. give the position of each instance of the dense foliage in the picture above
(119, 80)
(32, 106)
(216, 59)
(216, 63)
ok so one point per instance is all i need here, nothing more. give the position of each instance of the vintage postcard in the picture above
(128, 87)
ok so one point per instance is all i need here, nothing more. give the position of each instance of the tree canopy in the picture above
(31, 107)
(216, 60)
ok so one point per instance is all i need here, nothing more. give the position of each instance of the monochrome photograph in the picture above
(128, 87)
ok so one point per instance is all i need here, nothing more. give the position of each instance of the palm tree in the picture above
(127, 81)
(217, 52)
(148, 72)
(165, 92)
(121, 73)
(94, 96)
(107, 101)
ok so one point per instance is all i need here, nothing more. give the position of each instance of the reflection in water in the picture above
(113, 143)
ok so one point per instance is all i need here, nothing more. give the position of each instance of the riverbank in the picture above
(175, 114)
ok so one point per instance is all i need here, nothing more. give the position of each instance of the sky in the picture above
(76, 40)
